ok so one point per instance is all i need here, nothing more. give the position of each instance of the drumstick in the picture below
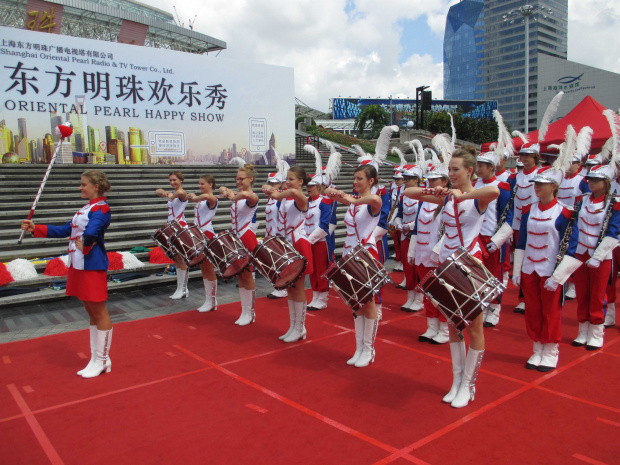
(65, 130)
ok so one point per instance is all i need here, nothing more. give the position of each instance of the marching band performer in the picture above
(424, 238)
(272, 208)
(243, 213)
(501, 173)
(204, 211)
(292, 216)
(177, 201)
(361, 219)
(328, 181)
(88, 265)
(610, 314)
(462, 217)
(395, 193)
(543, 231)
(405, 223)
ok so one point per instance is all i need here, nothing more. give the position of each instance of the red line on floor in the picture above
(585, 459)
(6, 359)
(44, 441)
(82, 355)
(578, 399)
(301, 408)
(28, 389)
(605, 420)
(609, 353)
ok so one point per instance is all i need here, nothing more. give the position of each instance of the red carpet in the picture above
(194, 388)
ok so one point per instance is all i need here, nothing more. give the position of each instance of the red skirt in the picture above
(88, 285)
(304, 248)
(249, 240)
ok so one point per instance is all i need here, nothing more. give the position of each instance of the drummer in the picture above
(204, 211)
(462, 229)
(292, 216)
(274, 180)
(177, 201)
(242, 212)
(361, 219)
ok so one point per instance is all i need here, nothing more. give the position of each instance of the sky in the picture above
(368, 48)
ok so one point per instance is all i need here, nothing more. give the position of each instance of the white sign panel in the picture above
(140, 104)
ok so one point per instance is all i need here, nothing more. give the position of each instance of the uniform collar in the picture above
(549, 205)
(501, 172)
(97, 200)
(530, 171)
(312, 199)
(489, 181)
(599, 199)
(571, 177)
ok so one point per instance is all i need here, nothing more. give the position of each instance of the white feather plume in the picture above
(330, 145)
(520, 135)
(130, 261)
(453, 139)
(493, 146)
(584, 140)
(265, 158)
(383, 143)
(431, 157)
(606, 149)
(401, 156)
(504, 139)
(238, 161)
(318, 161)
(614, 124)
(418, 148)
(359, 150)
(564, 159)
(550, 112)
(557, 147)
(443, 144)
(332, 170)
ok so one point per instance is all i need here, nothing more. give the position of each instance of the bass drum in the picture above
(278, 261)
(163, 236)
(190, 245)
(227, 254)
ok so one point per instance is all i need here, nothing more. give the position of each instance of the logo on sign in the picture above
(570, 79)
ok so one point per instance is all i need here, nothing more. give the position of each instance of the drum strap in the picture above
(458, 223)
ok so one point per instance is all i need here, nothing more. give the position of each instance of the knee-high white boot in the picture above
(210, 294)
(610, 315)
(313, 303)
(359, 339)
(406, 307)
(92, 329)
(182, 290)
(582, 335)
(248, 314)
(432, 328)
(321, 300)
(457, 351)
(443, 335)
(291, 314)
(102, 362)
(467, 391)
(368, 349)
(299, 331)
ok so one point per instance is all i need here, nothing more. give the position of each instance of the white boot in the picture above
(92, 329)
(610, 315)
(248, 315)
(359, 339)
(536, 357)
(582, 336)
(550, 355)
(520, 308)
(379, 308)
(418, 302)
(570, 290)
(210, 293)
(299, 331)
(398, 267)
(457, 351)
(403, 284)
(102, 362)
(278, 294)
(291, 315)
(467, 391)
(181, 291)
(492, 315)
(313, 303)
(432, 328)
(406, 307)
(505, 278)
(595, 337)
(443, 335)
(368, 349)
(321, 301)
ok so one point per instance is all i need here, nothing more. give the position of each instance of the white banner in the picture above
(139, 105)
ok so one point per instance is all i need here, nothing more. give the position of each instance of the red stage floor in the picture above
(195, 388)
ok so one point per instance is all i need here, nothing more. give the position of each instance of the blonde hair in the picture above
(99, 178)
(248, 169)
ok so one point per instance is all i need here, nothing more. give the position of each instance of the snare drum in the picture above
(163, 235)
(357, 277)
(227, 254)
(278, 261)
(461, 287)
(189, 243)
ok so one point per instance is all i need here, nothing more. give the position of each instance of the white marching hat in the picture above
(594, 159)
(275, 178)
(398, 175)
(601, 172)
(549, 175)
(530, 149)
(489, 157)
(436, 171)
(318, 179)
(412, 171)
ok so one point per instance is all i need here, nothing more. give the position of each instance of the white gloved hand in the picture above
(406, 228)
(434, 259)
(551, 285)
(593, 263)
(516, 280)
(491, 247)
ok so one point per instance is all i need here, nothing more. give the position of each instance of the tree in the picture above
(473, 130)
(376, 116)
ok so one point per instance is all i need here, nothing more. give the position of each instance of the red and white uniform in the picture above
(242, 215)
(318, 217)
(504, 175)
(470, 219)
(360, 225)
(291, 222)
(407, 212)
(570, 189)
(271, 217)
(203, 216)
(176, 211)
(525, 194)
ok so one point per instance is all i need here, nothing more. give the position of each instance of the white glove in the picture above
(491, 247)
(332, 228)
(565, 269)
(411, 251)
(607, 245)
(593, 263)
(316, 235)
(500, 237)
(551, 285)
(406, 228)
(398, 223)
(516, 280)
(518, 264)
(434, 259)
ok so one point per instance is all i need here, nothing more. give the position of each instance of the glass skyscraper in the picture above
(495, 48)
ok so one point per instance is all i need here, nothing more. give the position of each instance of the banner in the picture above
(139, 105)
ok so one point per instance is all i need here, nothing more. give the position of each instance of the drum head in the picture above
(289, 274)
(235, 267)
